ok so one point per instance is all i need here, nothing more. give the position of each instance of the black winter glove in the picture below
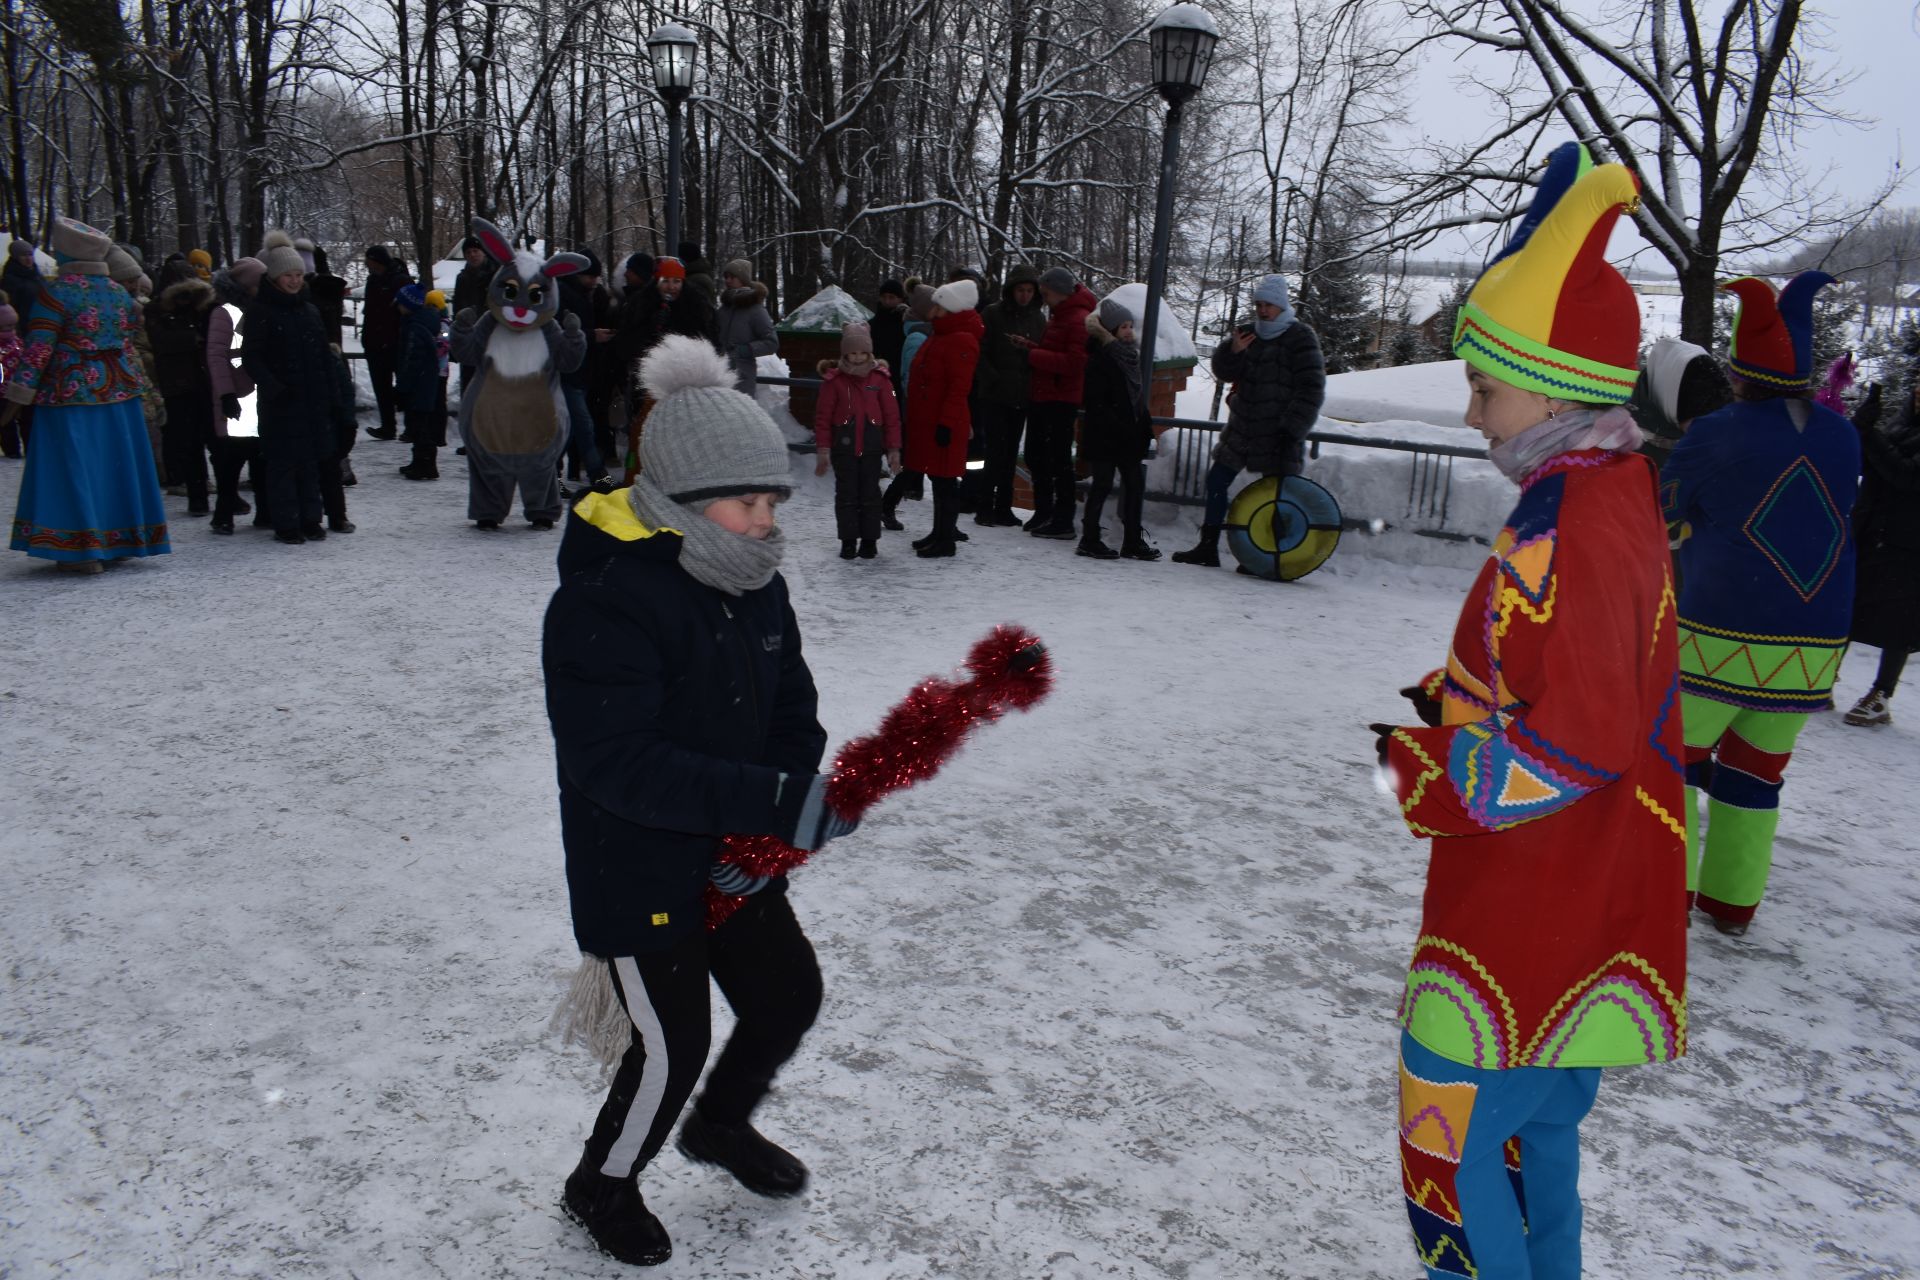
(1425, 705)
(230, 405)
(806, 820)
(1383, 735)
(1867, 413)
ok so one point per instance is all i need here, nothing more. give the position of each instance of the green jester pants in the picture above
(1737, 756)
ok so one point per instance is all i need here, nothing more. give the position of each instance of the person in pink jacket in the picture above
(236, 428)
(855, 421)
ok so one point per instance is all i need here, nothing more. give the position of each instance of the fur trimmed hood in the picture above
(193, 294)
(754, 294)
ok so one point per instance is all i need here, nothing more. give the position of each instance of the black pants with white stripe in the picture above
(766, 969)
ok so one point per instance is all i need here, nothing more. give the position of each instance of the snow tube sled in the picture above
(1283, 527)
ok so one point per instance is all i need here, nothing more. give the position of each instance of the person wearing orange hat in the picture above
(1763, 490)
(666, 306)
(1546, 769)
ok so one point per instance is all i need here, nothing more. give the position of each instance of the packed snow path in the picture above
(1113, 996)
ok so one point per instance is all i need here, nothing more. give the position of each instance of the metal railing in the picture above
(1429, 484)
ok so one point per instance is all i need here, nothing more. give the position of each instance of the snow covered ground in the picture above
(1113, 996)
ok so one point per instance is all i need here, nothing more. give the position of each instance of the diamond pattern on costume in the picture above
(1799, 528)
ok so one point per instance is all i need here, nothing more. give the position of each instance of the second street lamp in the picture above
(673, 50)
(1182, 39)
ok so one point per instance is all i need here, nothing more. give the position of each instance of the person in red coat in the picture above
(854, 422)
(1057, 378)
(938, 421)
(1548, 770)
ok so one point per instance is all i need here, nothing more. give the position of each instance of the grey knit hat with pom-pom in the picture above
(279, 255)
(704, 440)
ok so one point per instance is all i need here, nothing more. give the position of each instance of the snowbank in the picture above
(1435, 392)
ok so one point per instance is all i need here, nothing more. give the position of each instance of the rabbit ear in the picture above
(563, 264)
(492, 241)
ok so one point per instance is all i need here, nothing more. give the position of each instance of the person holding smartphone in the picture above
(1279, 382)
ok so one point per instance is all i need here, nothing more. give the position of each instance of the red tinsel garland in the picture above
(1009, 670)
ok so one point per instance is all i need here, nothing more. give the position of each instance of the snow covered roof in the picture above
(828, 311)
(1171, 345)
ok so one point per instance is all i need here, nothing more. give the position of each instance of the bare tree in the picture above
(1705, 110)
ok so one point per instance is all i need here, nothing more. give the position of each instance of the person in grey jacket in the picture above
(1279, 382)
(742, 329)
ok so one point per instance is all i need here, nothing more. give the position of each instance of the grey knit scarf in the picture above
(1610, 428)
(726, 561)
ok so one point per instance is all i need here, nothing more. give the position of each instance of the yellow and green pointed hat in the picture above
(1550, 313)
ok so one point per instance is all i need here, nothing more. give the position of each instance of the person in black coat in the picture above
(470, 289)
(176, 323)
(380, 332)
(582, 297)
(889, 329)
(1886, 526)
(683, 711)
(1279, 379)
(1118, 429)
(21, 281)
(666, 306)
(296, 378)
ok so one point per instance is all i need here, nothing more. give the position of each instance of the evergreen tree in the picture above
(1408, 345)
(1334, 289)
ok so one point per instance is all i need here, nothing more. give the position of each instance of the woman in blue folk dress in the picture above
(89, 493)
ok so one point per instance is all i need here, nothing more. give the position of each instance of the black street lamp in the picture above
(674, 50)
(1182, 39)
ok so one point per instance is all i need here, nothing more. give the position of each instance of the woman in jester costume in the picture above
(1763, 490)
(1548, 767)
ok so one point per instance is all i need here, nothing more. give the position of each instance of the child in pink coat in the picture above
(854, 423)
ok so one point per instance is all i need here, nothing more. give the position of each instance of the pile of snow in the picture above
(1170, 340)
(828, 311)
(1435, 393)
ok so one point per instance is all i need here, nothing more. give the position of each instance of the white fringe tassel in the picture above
(590, 1014)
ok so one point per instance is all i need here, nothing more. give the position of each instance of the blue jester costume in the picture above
(1764, 489)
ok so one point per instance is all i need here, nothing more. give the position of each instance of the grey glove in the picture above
(806, 820)
(570, 322)
(468, 317)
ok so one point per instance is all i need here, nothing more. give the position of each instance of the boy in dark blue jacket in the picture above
(419, 381)
(683, 711)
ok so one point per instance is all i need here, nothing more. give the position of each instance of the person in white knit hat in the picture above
(682, 712)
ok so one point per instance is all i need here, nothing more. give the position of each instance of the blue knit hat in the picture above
(411, 297)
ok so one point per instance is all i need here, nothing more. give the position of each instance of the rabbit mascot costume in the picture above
(513, 416)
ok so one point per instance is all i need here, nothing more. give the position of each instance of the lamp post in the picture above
(673, 50)
(1182, 39)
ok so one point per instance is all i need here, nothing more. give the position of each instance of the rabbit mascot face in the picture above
(513, 409)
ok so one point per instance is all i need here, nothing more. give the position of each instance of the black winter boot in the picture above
(849, 548)
(616, 1217)
(869, 548)
(1205, 552)
(1093, 548)
(1138, 548)
(761, 1166)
